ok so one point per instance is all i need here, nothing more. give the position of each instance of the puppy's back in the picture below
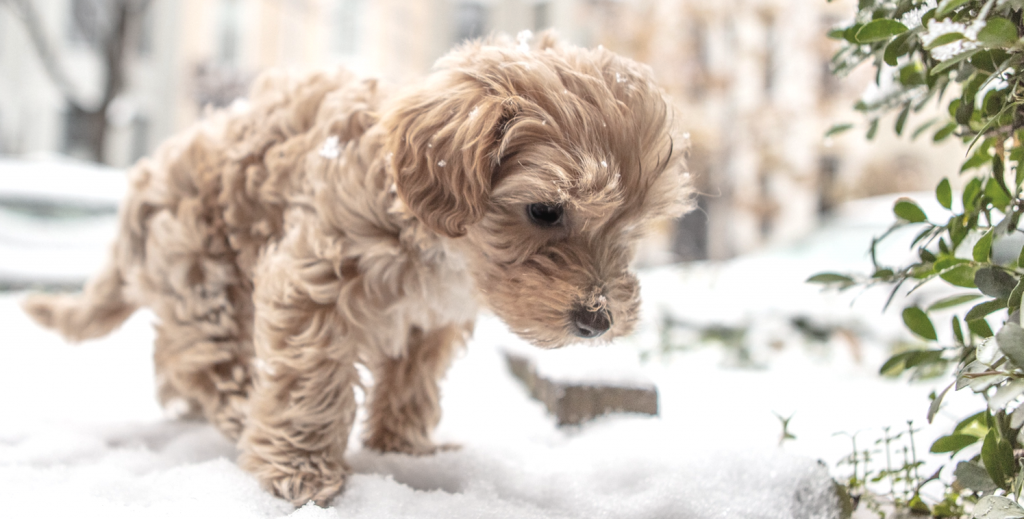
(209, 199)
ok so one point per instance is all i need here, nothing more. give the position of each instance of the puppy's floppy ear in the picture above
(443, 141)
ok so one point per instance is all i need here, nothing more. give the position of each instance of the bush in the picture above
(967, 55)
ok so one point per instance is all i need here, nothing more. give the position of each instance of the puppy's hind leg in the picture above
(405, 403)
(200, 373)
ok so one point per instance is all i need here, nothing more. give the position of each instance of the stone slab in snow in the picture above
(573, 403)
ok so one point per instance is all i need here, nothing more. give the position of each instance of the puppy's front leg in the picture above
(406, 402)
(302, 406)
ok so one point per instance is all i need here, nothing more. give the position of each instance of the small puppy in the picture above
(332, 222)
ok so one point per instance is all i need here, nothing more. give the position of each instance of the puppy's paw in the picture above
(302, 487)
(299, 478)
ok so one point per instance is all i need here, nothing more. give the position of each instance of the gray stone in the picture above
(573, 403)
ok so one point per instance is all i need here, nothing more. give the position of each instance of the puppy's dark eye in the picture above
(544, 215)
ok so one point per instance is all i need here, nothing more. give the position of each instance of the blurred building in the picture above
(752, 81)
(186, 55)
(750, 78)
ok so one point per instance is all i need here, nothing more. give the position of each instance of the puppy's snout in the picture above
(590, 324)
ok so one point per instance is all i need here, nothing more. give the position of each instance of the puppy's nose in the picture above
(590, 324)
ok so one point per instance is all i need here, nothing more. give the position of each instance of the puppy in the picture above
(332, 222)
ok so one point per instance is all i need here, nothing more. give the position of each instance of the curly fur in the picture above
(276, 262)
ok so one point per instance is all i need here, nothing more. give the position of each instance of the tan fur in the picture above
(276, 264)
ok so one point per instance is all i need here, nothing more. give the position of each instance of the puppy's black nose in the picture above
(591, 324)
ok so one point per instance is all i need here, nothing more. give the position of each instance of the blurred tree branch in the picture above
(51, 61)
(107, 26)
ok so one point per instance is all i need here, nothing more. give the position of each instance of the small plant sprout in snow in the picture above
(786, 434)
(886, 476)
(968, 56)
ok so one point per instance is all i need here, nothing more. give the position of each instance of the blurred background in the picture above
(107, 80)
(87, 87)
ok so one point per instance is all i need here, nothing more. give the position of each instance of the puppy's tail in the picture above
(95, 312)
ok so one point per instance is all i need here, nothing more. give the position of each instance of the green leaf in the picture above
(1005, 394)
(838, 128)
(882, 274)
(917, 505)
(949, 37)
(951, 301)
(996, 507)
(981, 310)
(997, 455)
(964, 112)
(925, 254)
(983, 249)
(996, 193)
(998, 32)
(1001, 118)
(872, 129)
(1011, 342)
(879, 30)
(960, 275)
(958, 333)
(989, 60)
(830, 278)
(1013, 302)
(976, 425)
(896, 364)
(953, 443)
(933, 408)
(973, 476)
(995, 282)
(971, 192)
(923, 358)
(1017, 156)
(901, 119)
(851, 32)
(957, 229)
(919, 323)
(944, 132)
(906, 209)
(980, 328)
(912, 74)
(899, 46)
(952, 62)
(993, 102)
(944, 194)
(922, 128)
(947, 7)
(947, 261)
(979, 159)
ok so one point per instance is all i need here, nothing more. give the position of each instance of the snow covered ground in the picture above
(56, 217)
(81, 434)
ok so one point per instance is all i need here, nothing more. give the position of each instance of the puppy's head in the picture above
(545, 163)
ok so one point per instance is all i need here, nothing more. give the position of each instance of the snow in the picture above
(81, 423)
(56, 218)
(331, 148)
(82, 435)
(61, 179)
